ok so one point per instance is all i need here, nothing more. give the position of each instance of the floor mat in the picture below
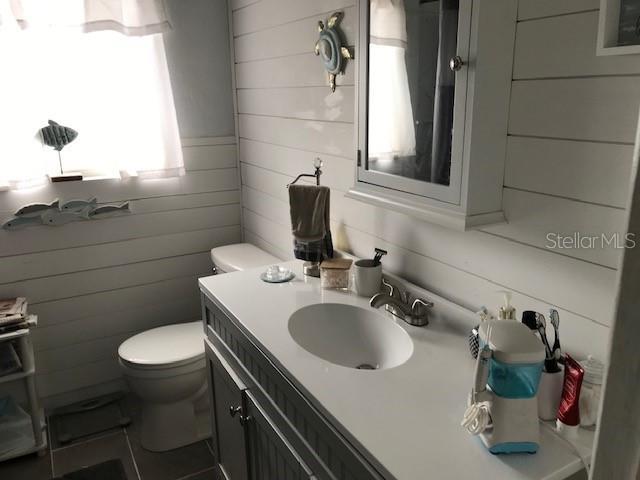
(82, 420)
(110, 470)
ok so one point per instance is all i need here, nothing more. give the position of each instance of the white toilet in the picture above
(166, 367)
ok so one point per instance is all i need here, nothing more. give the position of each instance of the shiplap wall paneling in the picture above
(126, 227)
(549, 166)
(94, 283)
(529, 9)
(311, 103)
(544, 49)
(236, 4)
(332, 138)
(590, 108)
(250, 46)
(567, 162)
(131, 273)
(296, 71)
(336, 170)
(273, 13)
(91, 328)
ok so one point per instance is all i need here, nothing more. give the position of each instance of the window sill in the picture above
(91, 178)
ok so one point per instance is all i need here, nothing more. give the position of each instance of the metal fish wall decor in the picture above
(56, 214)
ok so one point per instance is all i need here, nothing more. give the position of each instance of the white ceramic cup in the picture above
(549, 394)
(367, 277)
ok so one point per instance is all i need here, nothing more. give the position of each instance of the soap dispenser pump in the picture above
(507, 311)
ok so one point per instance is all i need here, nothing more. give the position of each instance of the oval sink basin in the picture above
(350, 336)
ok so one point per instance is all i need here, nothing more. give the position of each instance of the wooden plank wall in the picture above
(572, 122)
(93, 284)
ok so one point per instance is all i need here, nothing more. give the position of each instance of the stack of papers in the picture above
(13, 311)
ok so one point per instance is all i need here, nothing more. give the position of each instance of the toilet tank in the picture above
(240, 256)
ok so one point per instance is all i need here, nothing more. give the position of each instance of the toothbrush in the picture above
(555, 321)
(541, 324)
(536, 321)
(550, 363)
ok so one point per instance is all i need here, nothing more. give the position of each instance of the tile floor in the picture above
(193, 462)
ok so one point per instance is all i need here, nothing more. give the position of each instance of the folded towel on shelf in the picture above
(309, 208)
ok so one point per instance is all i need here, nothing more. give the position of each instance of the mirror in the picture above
(433, 86)
(412, 67)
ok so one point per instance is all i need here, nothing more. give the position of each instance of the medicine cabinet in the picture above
(433, 86)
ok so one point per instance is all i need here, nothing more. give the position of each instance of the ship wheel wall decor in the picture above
(332, 49)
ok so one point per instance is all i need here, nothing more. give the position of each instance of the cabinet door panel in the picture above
(229, 410)
(271, 455)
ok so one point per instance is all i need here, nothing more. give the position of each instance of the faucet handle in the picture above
(390, 287)
(420, 306)
(395, 291)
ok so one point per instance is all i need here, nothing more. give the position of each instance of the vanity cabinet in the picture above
(271, 455)
(228, 409)
(263, 426)
(247, 442)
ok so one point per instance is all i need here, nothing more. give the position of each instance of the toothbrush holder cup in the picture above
(367, 277)
(549, 394)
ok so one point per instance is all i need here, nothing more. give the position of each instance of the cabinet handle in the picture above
(233, 411)
(456, 63)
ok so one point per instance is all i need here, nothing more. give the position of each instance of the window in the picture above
(111, 88)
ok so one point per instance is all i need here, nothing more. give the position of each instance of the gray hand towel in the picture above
(309, 207)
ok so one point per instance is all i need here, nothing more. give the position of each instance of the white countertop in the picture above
(407, 418)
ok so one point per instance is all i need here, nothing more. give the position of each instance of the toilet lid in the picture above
(240, 256)
(172, 344)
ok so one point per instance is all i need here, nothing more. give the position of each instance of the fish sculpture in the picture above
(76, 205)
(57, 136)
(106, 209)
(56, 214)
(56, 218)
(16, 223)
(37, 209)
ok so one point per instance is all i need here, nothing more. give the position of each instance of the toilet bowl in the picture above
(166, 367)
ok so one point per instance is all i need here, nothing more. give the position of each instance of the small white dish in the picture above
(276, 274)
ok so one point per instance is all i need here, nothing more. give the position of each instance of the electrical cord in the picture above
(575, 449)
(476, 418)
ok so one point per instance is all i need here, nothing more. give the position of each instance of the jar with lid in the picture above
(590, 392)
(334, 273)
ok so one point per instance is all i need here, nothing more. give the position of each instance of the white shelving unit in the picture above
(22, 340)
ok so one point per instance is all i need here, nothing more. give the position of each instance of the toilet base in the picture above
(167, 426)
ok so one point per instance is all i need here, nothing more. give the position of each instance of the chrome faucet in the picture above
(398, 303)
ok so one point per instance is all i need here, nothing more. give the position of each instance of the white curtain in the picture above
(391, 125)
(130, 17)
(111, 88)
